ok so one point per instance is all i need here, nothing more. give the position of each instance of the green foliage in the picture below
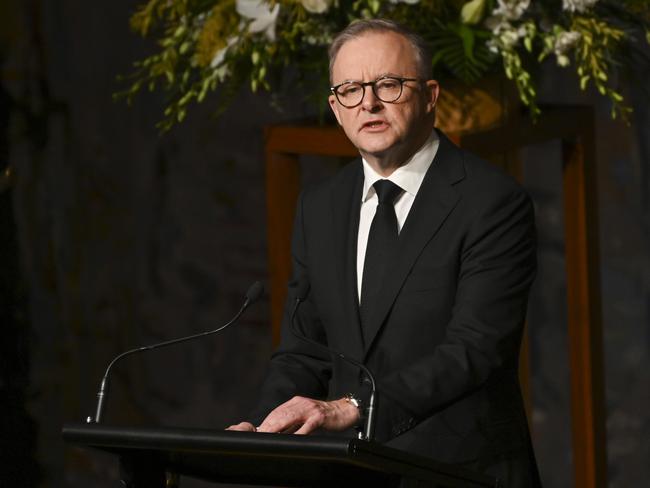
(218, 46)
(461, 51)
(509, 42)
(595, 58)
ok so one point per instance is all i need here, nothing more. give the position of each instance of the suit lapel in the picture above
(346, 205)
(435, 200)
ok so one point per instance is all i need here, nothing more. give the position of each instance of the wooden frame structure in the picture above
(574, 127)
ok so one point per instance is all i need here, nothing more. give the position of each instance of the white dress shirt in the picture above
(408, 177)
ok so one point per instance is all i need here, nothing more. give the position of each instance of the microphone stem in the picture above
(369, 427)
(102, 394)
(369, 431)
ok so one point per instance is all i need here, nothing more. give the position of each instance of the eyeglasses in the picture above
(387, 89)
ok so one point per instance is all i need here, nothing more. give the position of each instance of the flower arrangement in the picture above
(278, 45)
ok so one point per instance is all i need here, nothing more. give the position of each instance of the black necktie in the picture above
(382, 240)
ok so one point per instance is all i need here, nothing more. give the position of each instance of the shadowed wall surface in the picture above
(125, 237)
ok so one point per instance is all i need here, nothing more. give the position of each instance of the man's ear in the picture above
(335, 108)
(432, 92)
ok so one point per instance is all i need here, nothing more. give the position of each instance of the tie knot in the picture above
(387, 191)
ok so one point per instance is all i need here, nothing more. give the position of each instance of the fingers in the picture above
(242, 427)
(307, 428)
(302, 415)
(299, 414)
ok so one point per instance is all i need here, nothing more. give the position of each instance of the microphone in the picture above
(252, 295)
(368, 432)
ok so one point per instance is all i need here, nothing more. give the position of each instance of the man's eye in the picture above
(388, 84)
(349, 90)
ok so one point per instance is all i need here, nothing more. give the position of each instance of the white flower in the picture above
(577, 5)
(499, 22)
(263, 18)
(563, 60)
(316, 6)
(492, 46)
(506, 36)
(509, 38)
(564, 41)
(511, 9)
(220, 55)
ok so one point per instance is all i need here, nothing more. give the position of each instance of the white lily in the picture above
(263, 18)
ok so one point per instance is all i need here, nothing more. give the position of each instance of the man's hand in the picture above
(243, 427)
(302, 415)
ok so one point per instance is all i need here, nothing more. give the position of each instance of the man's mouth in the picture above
(374, 125)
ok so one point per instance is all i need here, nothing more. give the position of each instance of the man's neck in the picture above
(386, 164)
(383, 168)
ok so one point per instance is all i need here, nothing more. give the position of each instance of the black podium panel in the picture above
(146, 454)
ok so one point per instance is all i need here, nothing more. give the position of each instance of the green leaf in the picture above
(467, 36)
(472, 12)
(528, 44)
(455, 48)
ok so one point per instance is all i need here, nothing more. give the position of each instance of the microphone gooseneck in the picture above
(253, 294)
(369, 424)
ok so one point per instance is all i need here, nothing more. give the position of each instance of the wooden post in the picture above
(584, 320)
(282, 189)
(284, 145)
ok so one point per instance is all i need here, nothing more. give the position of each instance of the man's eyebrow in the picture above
(382, 75)
(388, 74)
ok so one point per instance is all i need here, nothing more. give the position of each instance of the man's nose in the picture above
(370, 101)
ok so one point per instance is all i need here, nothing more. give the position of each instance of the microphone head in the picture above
(255, 292)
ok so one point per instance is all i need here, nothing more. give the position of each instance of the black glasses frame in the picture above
(363, 85)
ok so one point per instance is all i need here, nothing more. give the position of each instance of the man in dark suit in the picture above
(419, 259)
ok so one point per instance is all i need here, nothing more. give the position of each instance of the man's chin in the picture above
(376, 148)
(379, 160)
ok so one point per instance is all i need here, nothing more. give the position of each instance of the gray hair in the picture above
(358, 28)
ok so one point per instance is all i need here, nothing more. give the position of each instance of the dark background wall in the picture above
(113, 236)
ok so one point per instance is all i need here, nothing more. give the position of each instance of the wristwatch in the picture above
(353, 400)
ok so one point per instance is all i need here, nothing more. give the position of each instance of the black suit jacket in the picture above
(444, 341)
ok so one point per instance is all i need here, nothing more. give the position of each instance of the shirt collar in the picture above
(410, 175)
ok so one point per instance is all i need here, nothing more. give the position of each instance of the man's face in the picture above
(386, 134)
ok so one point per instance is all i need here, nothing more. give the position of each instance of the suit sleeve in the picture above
(498, 263)
(296, 367)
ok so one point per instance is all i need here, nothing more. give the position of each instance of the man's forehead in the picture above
(378, 52)
(388, 41)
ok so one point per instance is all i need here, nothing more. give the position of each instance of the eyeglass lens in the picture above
(387, 90)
